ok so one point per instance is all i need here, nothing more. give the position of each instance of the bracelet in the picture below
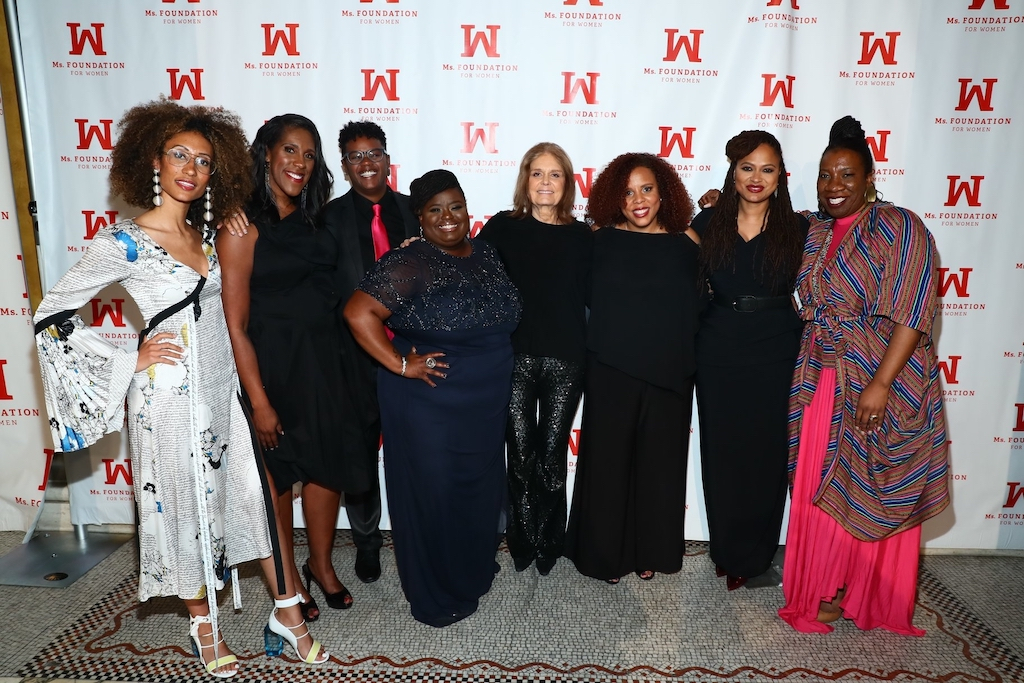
(405, 363)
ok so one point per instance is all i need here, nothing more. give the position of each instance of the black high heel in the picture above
(308, 606)
(340, 600)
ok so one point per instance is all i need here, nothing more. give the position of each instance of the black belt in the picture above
(750, 304)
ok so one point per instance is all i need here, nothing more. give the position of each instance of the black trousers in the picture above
(545, 395)
(744, 450)
(629, 498)
(364, 508)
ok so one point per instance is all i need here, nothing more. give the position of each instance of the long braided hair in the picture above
(783, 240)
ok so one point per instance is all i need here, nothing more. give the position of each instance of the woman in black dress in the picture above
(443, 386)
(281, 306)
(629, 496)
(751, 246)
(547, 255)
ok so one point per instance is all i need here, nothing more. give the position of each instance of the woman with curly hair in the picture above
(629, 497)
(202, 506)
(281, 307)
(546, 252)
(750, 249)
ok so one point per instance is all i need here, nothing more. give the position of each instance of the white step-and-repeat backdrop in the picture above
(470, 85)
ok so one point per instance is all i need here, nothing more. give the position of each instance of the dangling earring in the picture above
(776, 193)
(157, 197)
(207, 214)
(421, 231)
(871, 194)
(266, 178)
(302, 200)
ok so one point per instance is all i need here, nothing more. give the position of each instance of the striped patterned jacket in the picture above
(883, 273)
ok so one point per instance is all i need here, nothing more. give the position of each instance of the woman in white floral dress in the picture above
(198, 516)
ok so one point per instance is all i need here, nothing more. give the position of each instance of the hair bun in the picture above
(846, 128)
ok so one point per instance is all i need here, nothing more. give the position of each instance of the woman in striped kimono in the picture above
(868, 453)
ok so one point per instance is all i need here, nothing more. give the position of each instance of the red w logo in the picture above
(692, 45)
(79, 39)
(93, 226)
(772, 88)
(970, 190)
(488, 40)
(670, 140)
(371, 84)
(194, 84)
(958, 282)
(969, 92)
(272, 38)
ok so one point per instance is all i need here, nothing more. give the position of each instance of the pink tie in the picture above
(380, 243)
(379, 233)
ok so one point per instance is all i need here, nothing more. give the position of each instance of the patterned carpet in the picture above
(681, 627)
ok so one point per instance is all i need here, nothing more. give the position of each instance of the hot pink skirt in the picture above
(821, 557)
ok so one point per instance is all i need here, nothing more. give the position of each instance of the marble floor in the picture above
(680, 627)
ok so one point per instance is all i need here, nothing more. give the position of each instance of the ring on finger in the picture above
(873, 417)
(430, 363)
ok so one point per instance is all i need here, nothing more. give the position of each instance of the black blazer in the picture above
(360, 370)
(339, 217)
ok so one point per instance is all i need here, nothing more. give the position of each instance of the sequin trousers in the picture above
(537, 453)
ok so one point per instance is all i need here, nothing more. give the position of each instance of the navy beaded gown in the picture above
(444, 447)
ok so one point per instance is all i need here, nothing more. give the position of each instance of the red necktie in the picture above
(380, 243)
(379, 233)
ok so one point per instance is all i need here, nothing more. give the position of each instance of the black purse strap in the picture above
(163, 315)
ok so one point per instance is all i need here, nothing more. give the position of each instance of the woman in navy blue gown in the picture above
(444, 386)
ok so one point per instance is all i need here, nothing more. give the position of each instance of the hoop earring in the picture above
(157, 197)
(207, 215)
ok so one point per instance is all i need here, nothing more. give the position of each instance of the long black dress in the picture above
(294, 329)
(629, 497)
(744, 371)
(444, 447)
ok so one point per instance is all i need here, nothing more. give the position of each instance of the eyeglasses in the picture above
(180, 157)
(375, 154)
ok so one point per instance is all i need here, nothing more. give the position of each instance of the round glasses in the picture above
(375, 154)
(180, 157)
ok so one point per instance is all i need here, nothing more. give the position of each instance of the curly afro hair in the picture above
(144, 130)
(605, 204)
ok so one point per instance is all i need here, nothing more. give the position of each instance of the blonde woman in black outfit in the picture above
(547, 255)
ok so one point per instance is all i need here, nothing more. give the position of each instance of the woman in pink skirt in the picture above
(867, 430)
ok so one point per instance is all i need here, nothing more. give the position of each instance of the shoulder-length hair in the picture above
(318, 189)
(521, 204)
(783, 240)
(605, 204)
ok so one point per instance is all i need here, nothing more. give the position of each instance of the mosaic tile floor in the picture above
(683, 627)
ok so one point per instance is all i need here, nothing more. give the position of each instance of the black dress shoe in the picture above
(545, 565)
(368, 565)
(522, 563)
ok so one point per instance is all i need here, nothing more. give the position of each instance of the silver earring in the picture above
(157, 197)
(207, 215)
(266, 179)
(776, 193)
(302, 200)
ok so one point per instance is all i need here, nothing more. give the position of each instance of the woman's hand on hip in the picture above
(426, 366)
(268, 426)
(871, 406)
(158, 349)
